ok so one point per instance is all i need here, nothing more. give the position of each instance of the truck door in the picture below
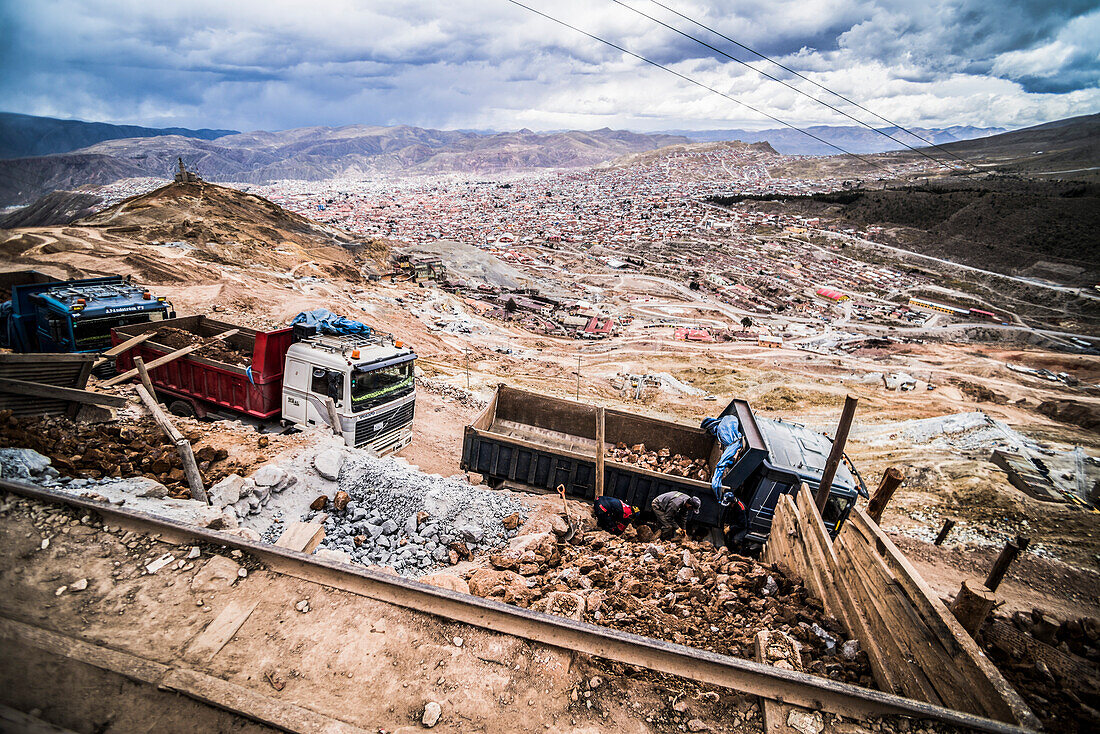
(295, 386)
(54, 331)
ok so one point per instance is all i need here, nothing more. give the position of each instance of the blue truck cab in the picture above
(76, 315)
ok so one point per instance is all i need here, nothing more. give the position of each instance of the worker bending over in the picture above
(674, 509)
(613, 515)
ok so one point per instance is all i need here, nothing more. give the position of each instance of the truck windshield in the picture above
(94, 335)
(373, 388)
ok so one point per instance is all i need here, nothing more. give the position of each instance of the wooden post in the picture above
(846, 418)
(600, 422)
(972, 605)
(891, 480)
(944, 531)
(143, 374)
(333, 416)
(1012, 549)
(183, 446)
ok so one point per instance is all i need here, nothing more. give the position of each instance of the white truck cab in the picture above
(369, 379)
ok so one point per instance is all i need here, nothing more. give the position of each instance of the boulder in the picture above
(216, 574)
(490, 582)
(340, 501)
(328, 463)
(269, 475)
(319, 503)
(446, 581)
(215, 519)
(229, 490)
(565, 604)
(248, 533)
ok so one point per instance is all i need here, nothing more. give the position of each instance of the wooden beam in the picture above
(841, 438)
(601, 423)
(891, 480)
(143, 374)
(220, 631)
(183, 446)
(123, 346)
(947, 525)
(972, 605)
(41, 390)
(170, 357)
(333, 416)
(302, 536)
(1012, 549)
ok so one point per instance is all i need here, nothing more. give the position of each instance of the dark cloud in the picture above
(488, 64)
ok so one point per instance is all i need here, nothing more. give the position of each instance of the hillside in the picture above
(56, 207)
(180, 233)
(850, 137)
(317, 153)
(22, 136)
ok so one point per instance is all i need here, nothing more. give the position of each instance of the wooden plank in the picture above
(774, 713)
(1000, 698)
(333, 416)
(302, 536)
(17, 721)
(126, 665)
(39, 357)
(131, 374)
(219, 632)
(601, 424)
(253, 705)
(41, 390)
(123, 346)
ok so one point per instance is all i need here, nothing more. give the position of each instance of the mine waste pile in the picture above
(217, 351)
(682, 591)
(122, 449)
(386, 513)
(661, 460)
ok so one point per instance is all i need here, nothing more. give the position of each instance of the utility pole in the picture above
(578, 374)
(847, 415)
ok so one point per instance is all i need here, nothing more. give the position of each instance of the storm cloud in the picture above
(488, 64)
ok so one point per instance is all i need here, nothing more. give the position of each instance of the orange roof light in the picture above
(399, 344)
(355, 354)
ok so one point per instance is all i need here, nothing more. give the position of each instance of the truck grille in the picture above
(367, 428)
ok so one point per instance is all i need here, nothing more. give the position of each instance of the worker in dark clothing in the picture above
(675, 509)
(613, 515)
(735, 522)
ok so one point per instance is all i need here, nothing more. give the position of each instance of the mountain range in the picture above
(27, 135)
(315, 153)
(849, 137)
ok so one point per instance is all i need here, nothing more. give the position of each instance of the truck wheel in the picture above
(182, 408)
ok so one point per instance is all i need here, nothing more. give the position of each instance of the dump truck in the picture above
(47, 315)
(292, 375)
(539, 441)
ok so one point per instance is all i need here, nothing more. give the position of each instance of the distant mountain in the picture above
(27, 135)
(53, 209)
(315, 153)
(851, 138)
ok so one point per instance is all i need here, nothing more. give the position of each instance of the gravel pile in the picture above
(414, 522)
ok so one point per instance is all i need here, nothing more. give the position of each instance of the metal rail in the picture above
(746, 676)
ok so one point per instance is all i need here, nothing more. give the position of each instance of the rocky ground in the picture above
(678, 590)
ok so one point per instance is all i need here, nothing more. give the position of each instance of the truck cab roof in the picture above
(92, 299)
(796, 449)
(340, 352)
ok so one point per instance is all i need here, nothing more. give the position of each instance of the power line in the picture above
(811, 81)
(785, 84)
(704, 86)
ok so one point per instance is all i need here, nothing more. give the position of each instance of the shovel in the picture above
(568, 518)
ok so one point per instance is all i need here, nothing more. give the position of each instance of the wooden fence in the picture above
(916, 647)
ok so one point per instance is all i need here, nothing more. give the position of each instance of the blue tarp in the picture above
(329, 323)
(728, 432)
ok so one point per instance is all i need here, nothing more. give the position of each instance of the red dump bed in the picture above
(208, 385)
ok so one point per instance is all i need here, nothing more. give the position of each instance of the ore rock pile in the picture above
(218, 351)
(662, 461)
(117, 450)
(388, 514)
(686, 592)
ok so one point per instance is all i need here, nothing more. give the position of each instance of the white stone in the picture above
(806, 722)
(160, 563)
(268, 475)
(79, 585)
(229, 490)
(432, 712)
(328, 463)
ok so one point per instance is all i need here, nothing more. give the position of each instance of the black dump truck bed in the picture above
(543, 442)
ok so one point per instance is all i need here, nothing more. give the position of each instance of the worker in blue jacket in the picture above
(727, 430)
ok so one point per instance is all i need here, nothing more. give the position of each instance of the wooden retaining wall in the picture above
(916, 647)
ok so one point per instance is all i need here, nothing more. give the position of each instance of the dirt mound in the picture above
(1086, 415)
(685, 592)
(218, 351)
(660, 460)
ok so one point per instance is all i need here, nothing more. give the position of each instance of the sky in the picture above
(488, 64)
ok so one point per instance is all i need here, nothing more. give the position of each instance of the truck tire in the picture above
(182, 408)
